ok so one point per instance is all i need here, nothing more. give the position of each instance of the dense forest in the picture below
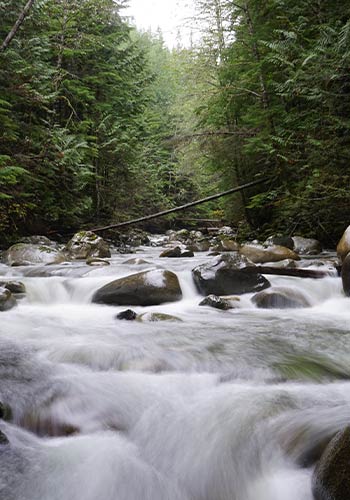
(100, 122)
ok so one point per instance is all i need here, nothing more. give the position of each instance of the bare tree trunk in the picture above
(17, 25)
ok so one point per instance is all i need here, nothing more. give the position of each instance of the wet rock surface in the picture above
(87, 244)
(228, 274)
(144, 289)
(280, 298)
(23, 254)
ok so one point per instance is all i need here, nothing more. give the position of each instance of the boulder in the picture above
(331, 477)
(306, 246)
(187, 253)
(142, 289)
(136, 262)
(219, 302)
(128, 315)
(281, 241)
(345, 275)
(87, 244)
(226, 245)
(260, 254)
(7, 300)
(199, 246)
(228, 274)
(154, 317)
(281, 298)
(23, 254)
(343, 247)
(15, 287)
(171, 252)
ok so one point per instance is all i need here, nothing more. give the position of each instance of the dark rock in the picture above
(3, 439)
(345, 275)
(199, 246)
(281, 241)
(228, 274)
(331, 478)
(87, 244)
(7, 300)
(280, 298)
(216, 302)
(15, 287)
(142, 289)
(306, 246)
(128, 314)
(171, 252)
(187, 253)
(5, 412)
(23, 254)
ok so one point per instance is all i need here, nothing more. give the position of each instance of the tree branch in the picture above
(17, 25)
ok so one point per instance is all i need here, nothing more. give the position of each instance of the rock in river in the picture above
(259, 254)
(345, 275)
(228, 274)
(87, 244)
(7, 300)
(331, 479)
(281, 298)
(142, 289)
(306, 246)
(23, 254)
(343, 247)
(217, 302)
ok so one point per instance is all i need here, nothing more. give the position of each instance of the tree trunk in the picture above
(17, 25)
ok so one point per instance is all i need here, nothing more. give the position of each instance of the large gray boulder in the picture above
(87, 244)
(228, 274)
(142, 289)
(23, 254)
(283, 241)
(345, 275)
(306, 246)
(7, 300)
(281, 298)
(331, 478)
(343, 247)
(260, 254)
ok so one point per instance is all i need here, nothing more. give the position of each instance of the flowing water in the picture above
(226, 405)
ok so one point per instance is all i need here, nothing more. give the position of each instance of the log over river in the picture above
(221, 405)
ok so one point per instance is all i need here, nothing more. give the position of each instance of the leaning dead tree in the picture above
(17, 25)
(182, 207)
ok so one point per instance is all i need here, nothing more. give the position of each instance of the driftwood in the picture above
(182, 207)
(17, 25)
(296, 272)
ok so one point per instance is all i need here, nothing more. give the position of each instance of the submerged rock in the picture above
(218, 302)
(187, 253)
(345, 275)
(343, 247)
(142, 289)
(23, 254)
(94, 261)
(3, 439)
(128, 315)
(260, 254)
(228, 274)
(306, 246)
(154, 317)
(281, 298)
(7, 300)
(87, 244)
(331, 478)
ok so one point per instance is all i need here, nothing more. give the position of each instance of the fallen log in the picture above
(294, 272)
(182, 207)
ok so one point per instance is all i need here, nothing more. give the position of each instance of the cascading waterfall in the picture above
(225, 405)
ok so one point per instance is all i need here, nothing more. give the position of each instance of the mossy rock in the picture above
(154, 317)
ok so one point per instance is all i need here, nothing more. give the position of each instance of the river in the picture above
(226, 405)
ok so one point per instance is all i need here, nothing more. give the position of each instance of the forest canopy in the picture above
(100, 122)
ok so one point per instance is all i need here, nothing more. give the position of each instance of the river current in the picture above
(225, 405)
